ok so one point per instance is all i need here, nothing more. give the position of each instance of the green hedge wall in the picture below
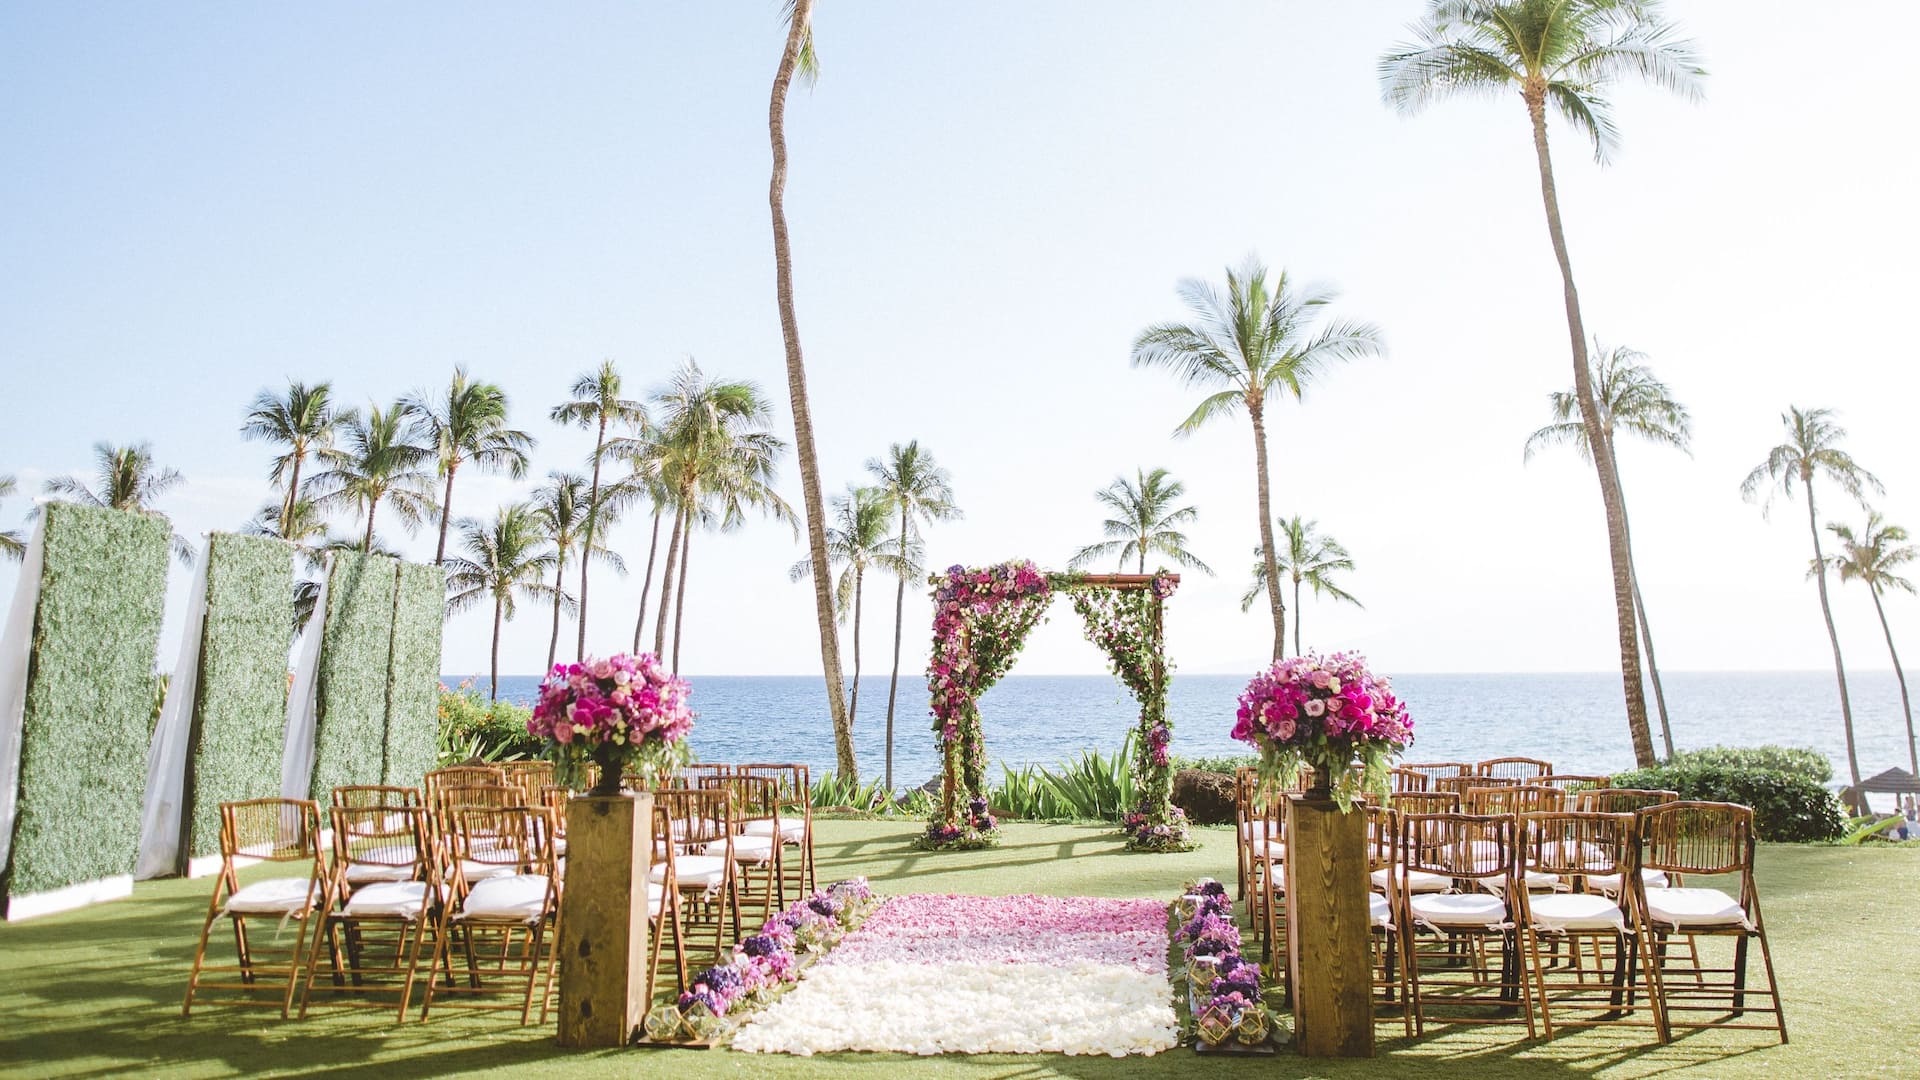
(240, 710)
(83, 742)
(351, 726)
(413, 679)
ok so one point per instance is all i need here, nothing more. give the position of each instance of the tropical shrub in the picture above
(830, 791)
(473, 727)
(1784, 786)
(1222, 765)
(1091, 787)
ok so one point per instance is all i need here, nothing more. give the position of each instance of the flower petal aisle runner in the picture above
(979, 974)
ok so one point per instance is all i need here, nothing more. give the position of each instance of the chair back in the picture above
(1696, 838)
(387, 843)
(270, 830)
(510, 838)
(1521, 769)
(1624, 800)
(1383, 837)
(462, 776)
(355, 795)
(1467, 846)
(692, 773)
(530, 776)
(755, 798)
(1426, 802)
(796, 784)
(1434, 769)
(698, 815)
(1573, 782)
(1569, 843)
(1408, 779)
(1465, 782)
(1512, 799)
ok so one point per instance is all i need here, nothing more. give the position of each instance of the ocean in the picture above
(1575, 721)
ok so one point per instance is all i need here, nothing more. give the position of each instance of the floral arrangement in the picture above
(981, 619)
(1324, 712)
(763, 965)
(1223, 986)
(620, 711)
(1126, 626)
(930, 974)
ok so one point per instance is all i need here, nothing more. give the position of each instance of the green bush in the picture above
(350, 726)
(413, 677)
(89, 706)
(473, 727)
(1091, 787)
(1789, 802)
(1222, 765)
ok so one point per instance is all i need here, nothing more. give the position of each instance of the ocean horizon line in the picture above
(865, 677)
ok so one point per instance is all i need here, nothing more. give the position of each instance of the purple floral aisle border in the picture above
(1222, 986)
(976, 975)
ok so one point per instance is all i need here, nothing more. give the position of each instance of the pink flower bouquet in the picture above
(620, 712)
(1327, 713)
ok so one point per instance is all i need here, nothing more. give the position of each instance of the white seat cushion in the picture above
(791, 831)
(1415, 881)
(656, 898)
(1270, 850)
(746, 849)
(274, 896)
(519, 896)
(1260, 829)
(481, 871)
(1536, 881)
(1379, 913)
(359, 873)
(1459, 909)
(1610, 883)
(1576, 911)
(692, 871)
(1688, 908)
(405, 899)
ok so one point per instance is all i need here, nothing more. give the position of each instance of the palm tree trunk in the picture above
(493, 678)
(1913, 754)
(893, 684)
(1143, 556)
(666, 588)
(593, 518)
(1597, 439)
(366, 545)
(1646, 631)
(559, 577)
(646, 582)
(1299, 616)
(797, 30)
(853, 705)
(1269, 563)
(293, 496)
(446, 514)
(680, 602)
(1833, 636)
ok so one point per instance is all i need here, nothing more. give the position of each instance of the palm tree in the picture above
(643, 455)
(304, 422)
(856, 541)
(596, 404)
(717, 460)
(1875, 557)
(377, 463)
(1305, 556)
(125, 478)
(1563, 54)
(799, 57)
(12, 544)
(1145, 519)
(921, 491)
(468, 423)
(560, 510)
(1628, 396)
(1254, 342)
(1813, 449)
(504, 559)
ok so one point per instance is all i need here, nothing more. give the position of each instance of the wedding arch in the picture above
(981, 619)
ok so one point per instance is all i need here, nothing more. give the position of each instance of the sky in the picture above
(988, 202)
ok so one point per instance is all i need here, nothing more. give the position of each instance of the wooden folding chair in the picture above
(1703, 838)
(1383, 845)
(505, 921)
(694, 773)
(796, 821)
(1463, 961)
(383, 900)
(1246, 824)
(532, 777)
(1461, 784)
(1388, 881)
(1625, 801)
(269, 831)
(663, 906)
(1407, 779)
(702, 860)
(1267, 877)
(758, 843)
(1571, 846)
(1521, 769)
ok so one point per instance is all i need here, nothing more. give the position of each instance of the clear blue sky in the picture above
(988, 202)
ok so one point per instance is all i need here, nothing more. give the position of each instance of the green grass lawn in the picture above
(97, 993)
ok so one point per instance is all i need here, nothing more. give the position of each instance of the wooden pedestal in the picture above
(603, 920)
(1328, 940)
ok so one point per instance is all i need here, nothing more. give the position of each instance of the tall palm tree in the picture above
(1875, 557)
(377, 463)
(503, 560)
(920, 491)
(857, 541)
(468, 423)
(716, 461)
(1813, 450)
(1628, 397)
(596, 403)
(1305, 556)
(560, 510)
(1561, 54)
(304, 422)
(12, 544)
(1254, 342)
(799, 57)
(643, 455)
(125, 478)
(1145, 518)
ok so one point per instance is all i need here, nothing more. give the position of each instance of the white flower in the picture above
(1316, 707)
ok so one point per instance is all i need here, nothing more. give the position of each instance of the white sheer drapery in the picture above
(16, 654)
(160, 835)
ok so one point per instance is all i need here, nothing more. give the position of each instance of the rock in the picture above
(1207, 797)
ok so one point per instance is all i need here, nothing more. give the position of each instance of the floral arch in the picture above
(981, 619)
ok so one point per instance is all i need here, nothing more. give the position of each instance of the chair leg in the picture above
(199, 958)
